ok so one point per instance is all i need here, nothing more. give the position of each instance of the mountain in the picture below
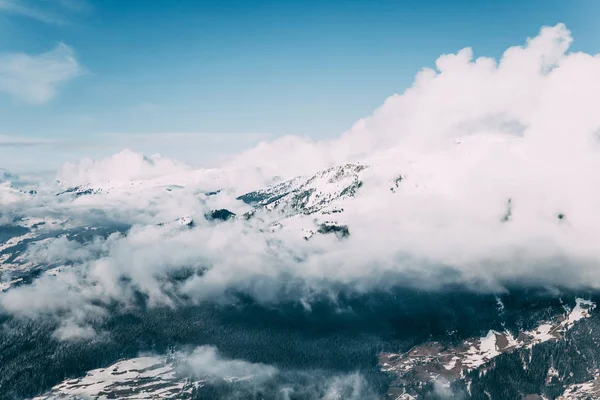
(451, 362)
(310, 205)
(403, 343)
(319, 193)
(136, 378)
(456, 365)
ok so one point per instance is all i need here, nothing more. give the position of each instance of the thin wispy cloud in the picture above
(57, 12)
(35, 78)
(15, 141)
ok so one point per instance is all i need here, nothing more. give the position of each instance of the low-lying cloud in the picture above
(271, 382)
(497, 161)
(206, 361)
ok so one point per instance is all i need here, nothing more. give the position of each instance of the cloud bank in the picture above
(121, 167)
(35, 78)
(483, 173)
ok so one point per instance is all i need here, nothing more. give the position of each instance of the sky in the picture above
(195, 80)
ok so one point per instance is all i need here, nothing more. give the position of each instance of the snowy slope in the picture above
(431, 361)
(309, 195)
(136, 378)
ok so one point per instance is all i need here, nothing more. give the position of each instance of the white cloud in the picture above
(206, 361)
(311, 384)
(72, 331)
(50, 12)
(466, 138)
(19, 8)
(35, 78)
(121, 167)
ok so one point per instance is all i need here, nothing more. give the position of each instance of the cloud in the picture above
(72, 331)
(123, 166)
(20, 8)
(206, 361)
(271, 382)
(443, 389)
(193, 148)
(17, 141)
(497, 160)
(55, 12)
(34, 79)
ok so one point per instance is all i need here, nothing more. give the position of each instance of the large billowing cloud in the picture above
(499, 163)
(35, 78)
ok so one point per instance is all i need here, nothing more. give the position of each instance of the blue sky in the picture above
(225, 74)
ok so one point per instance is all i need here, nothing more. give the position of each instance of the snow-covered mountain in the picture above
(320, 193)
(137, 378)
(444, 247)
(324, 204)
